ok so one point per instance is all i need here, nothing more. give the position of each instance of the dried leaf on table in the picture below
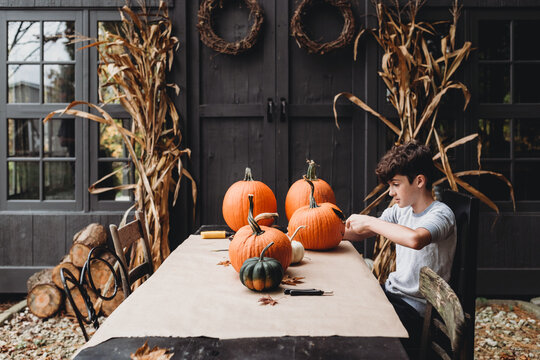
(290, 280)
(224, 263)
(267, 300)
(156, 353)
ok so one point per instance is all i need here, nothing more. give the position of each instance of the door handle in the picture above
(283, 110)
(270, 109)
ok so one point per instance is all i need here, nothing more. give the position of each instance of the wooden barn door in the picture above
(306, 86)
(271, 109)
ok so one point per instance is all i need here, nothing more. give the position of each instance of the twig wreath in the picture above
(216, 43)
(303, 40)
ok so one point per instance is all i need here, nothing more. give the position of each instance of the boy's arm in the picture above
(365, 226)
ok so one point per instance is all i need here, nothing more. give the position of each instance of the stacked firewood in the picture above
(46, 295)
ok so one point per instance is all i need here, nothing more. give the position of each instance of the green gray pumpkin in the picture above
(261, 273)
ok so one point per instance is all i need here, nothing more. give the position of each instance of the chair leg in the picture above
(424, 343)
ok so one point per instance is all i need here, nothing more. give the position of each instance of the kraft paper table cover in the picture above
(191, 295)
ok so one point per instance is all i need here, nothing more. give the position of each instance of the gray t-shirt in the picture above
(439, 220)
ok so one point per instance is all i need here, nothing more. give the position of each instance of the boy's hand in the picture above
(357, 223)
(356, 227)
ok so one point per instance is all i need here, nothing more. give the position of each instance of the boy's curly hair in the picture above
(409, 159)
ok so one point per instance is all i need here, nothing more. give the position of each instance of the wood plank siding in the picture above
(271, 109)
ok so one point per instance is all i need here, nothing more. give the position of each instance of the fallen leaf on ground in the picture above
(156, 353)
(289, 280)
(224, 263)
(267, 300)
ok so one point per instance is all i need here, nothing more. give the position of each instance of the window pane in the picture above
(59, 83)
(56, 45)
(106, 92)
(23, 41)
(23, 180)
(494, 40)
(110, 141)
(527, 138)
(526, 46)
(494, 83)
(493, 187)
(526, 176)
(23, 83)
(526, 79)
(59, 180)
(495, 137)
(23, 137)
(112, 27)
(59, 138)
(122, 177)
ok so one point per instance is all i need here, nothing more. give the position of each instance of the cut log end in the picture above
(57, 279)
(79, 254)
(44, 300)
(79, 302)
(107, 307)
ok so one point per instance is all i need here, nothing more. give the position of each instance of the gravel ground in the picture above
(502, 333)
(25, 337)
(506, 332)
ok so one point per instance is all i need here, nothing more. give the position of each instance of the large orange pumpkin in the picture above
(324, 224)
(251, 239)
(235, 203)
(298, 194)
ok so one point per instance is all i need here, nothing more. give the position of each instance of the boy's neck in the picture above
(424, 200)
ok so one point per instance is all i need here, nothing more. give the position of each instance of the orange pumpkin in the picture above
(235, 203)
(325, 224)
(251, 239)
(298, 194)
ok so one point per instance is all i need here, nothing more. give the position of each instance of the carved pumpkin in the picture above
(235, 203)
(325, 224)
(298, 194)
(251, 239)
(261, 273)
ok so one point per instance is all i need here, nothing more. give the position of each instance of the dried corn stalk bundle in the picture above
(416, 82)
(135, 60)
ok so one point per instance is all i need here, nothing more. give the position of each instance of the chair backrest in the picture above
(439, 295)
(463, 276)
(124, 238)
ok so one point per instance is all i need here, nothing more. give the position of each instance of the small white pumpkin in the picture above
(297, 247)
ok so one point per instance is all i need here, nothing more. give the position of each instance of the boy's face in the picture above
(404, 192)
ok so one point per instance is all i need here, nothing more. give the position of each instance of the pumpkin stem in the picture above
(248, 176)
(264, 250)
(312, 202)
(254, 225)
(295, 231)
(311, 173)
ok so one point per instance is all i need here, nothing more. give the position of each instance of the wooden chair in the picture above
(124, 238)
(463, 275)
(440, 296)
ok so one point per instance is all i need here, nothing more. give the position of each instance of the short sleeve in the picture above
(440, 223)
(389, 215)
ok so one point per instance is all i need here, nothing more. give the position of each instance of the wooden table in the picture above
(199, 309)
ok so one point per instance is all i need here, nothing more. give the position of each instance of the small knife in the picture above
(307, 292)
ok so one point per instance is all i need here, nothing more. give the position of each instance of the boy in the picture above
(422, 229)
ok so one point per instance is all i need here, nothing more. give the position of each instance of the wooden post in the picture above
(44, 298)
